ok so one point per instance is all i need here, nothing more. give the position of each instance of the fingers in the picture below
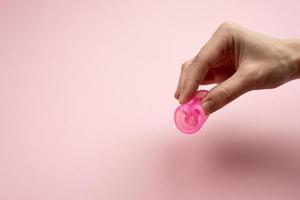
(208, 56)
(194, 76)
(225, 92)
(182, 78)
(209, 78)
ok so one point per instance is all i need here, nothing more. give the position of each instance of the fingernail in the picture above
(182, 97)
(176, 95)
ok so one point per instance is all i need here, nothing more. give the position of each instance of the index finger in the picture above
(208, 56)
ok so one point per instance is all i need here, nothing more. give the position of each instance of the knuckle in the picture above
(184, 66)
(226, 28)
(226, 25)
(194, 80)
(201, 59)
(225, 94)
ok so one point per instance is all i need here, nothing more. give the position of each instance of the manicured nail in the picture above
(176, 95)
(182, 96)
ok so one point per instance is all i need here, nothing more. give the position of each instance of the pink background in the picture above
(86, 104)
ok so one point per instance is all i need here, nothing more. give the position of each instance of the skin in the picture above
(238, 60)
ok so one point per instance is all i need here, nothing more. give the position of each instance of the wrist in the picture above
(293, 48)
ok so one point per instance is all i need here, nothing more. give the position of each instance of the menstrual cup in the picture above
(190, 117)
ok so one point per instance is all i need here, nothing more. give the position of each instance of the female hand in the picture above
(238, 60)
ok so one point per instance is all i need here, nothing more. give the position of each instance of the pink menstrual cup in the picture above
(190, 117)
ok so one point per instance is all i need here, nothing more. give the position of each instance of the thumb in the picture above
(224, 93)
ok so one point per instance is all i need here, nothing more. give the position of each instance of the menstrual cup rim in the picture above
(203, 117)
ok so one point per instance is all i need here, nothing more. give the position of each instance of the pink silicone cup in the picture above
(190, 117)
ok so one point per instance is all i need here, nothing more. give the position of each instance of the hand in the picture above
(238, 60)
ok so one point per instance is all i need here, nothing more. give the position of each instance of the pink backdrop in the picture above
(86, 104)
